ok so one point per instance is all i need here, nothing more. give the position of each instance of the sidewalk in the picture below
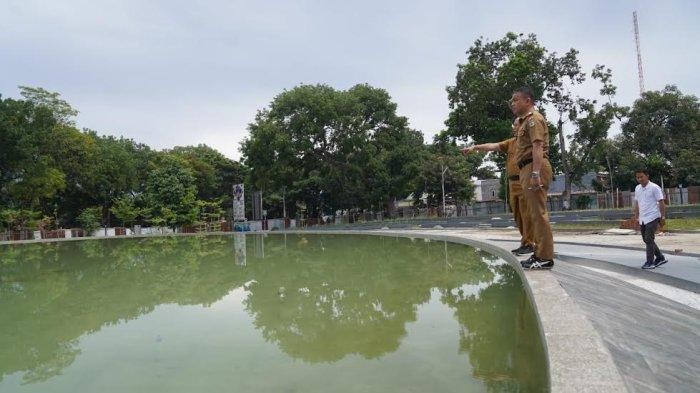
(681, 249)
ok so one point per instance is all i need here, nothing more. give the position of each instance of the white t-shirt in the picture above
(647, 199)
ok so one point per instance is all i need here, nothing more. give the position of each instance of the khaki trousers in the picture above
(536, 202)
(516, 199)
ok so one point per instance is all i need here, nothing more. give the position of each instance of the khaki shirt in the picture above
(510, 147)
(533, 127)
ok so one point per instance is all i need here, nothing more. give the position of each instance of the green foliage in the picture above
(125, 210)
(329, 150)
(62, 111)
(89, 220)
(588, 147)
(583, 201)
(171, 193)
(664, 129)
(214, 173)
(18, 219)
(48, 165)
(442, 154)
(210, 211)
(27, 170)
(483, 86)
(623, 161)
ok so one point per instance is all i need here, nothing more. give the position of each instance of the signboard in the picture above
(238, 203)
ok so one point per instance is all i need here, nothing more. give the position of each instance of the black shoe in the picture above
(660, 261)
(648, 266)
(523, 250)
(529, 260)
(535, 263)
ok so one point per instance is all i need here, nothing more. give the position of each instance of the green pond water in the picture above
(254, 313)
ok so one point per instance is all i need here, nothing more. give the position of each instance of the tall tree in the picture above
(171, 195)
(592, 122)
(663, 127)
(483, 86)
(63, 112)
(214, 173)
(445, 155)
(28, 173)
(331, 150)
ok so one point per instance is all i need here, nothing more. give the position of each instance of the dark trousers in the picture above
(648, 232)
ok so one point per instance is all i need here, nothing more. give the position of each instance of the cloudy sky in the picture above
(170, 73)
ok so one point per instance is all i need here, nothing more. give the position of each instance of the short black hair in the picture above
(642, 170)
(526, 91)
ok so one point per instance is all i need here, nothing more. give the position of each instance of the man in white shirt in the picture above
(650, 212)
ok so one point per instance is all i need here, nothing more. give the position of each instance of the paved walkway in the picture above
(649, 321)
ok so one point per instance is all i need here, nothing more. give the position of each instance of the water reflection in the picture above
(317, 298)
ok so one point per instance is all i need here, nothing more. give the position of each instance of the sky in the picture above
(175, 73)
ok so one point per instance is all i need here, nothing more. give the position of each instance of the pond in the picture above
(255, 313)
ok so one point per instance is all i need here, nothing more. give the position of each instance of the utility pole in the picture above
(639, 52)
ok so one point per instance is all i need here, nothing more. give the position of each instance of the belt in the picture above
(514, 177)
(526, 161)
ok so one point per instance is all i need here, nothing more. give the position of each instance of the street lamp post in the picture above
(284, 204)
(444, 169)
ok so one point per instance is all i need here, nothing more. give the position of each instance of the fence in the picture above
(624, 199)
(593, 201)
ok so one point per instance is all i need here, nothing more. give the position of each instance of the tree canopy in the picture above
(663, 129)
(50, 169)
(494, 69)
(329, 150)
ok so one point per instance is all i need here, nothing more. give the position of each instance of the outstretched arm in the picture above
(482, 147)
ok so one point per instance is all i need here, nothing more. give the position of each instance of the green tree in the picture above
(444, 154)
(63, 112)
(329, 150)
(663, 128)
(18, 219)
(214, 173)
(113, 171)
(592, 122)
(483, 86)
(28, 173)
(125, 210)
(89, 220)
(170, 192)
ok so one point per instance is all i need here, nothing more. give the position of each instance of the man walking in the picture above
(516, 199)
(650, 212)
(532, 139)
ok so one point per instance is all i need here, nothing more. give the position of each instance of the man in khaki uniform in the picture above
(516, 199)
(532, 141)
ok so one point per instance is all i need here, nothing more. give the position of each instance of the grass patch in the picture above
(585, 226)
(682, 224)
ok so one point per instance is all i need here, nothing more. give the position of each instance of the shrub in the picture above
(89, 220)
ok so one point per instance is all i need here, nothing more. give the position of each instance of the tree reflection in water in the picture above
(318, 298)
